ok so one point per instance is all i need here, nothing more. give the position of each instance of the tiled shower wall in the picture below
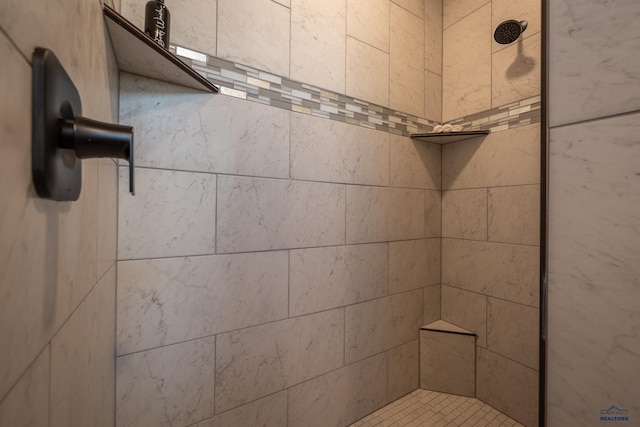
(57, 274)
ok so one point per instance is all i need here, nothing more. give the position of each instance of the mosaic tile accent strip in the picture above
(259, 86)
(431, 408)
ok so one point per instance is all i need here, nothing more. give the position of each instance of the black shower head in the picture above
(509, 31)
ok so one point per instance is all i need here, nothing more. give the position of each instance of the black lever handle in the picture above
(92, 139)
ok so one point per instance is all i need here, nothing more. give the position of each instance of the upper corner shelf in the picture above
(138, 54)
(447, 137)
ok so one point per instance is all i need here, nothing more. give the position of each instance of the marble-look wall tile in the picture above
(172, 214)
(507, 386)
(377, 214)
(467, 310)
(407, 63)
(168, 386)
(27, 405)
(414, 6)
(258, 361)
(466, 47)
(414, 164)
(523, 10)
(107, 215)
(432, 96)
(503, 158)
(340, 397)
(259, 214)
(193, 22)
(410, 265)
(447, 362)
(514, 214)
(83, 361)
(325, 278)
(433, 37)
(255, 33)
(432, 301)
(270, 411)
(368, 21)
(165, 301)
(433, 214)
(403, 374)
(454, 10)
(512, 331)
(327, 150)
(516, 71)
(367, 72)
(318, 33)
(591, 71)
(464, 214)
(379, 325)
(500, 270)
(177, 128)
(593, 268)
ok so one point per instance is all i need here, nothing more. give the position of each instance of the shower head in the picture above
(509, 31)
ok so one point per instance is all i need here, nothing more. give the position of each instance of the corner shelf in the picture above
(447, 137)
(138, 54)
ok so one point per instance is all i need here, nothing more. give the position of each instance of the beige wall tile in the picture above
(191, 131)
(259, 214)
(409, 266)
(414, 164)
(268, 412)
(507, 386)
(27, 405)
(193, 23)
(514, 214)
(464, 214)
(524, 10)
(504, 158)
(414, 6)
(368, 21)
(447, 362)
(367, 72)
(258, 361)
(407, 63)
(377, 214)
(432, 96)
(340, 397)
(326, 150)
(318, 32)
(379, 325)
(83, 361)
(433, 37)
(255, 33)
(434, 256)
(172, 214)
(403, 373)
(431, 304)
(107, 215)
(454, 10)
(496, 269)
(467, 310)
(516, 71)
(467, 46)
(324, 278)
(165, 301)
(513, 332)
(591, 73)
(167, 386)
(433, 214)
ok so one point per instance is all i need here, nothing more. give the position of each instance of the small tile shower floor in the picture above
(424, 408)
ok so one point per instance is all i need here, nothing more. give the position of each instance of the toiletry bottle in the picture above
(156, 22)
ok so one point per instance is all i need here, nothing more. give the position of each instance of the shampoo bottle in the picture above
(156, 22)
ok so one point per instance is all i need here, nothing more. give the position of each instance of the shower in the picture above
(509, 31)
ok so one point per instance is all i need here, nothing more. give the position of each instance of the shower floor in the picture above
(424, 408)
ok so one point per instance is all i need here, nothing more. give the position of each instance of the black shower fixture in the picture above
(509, 31)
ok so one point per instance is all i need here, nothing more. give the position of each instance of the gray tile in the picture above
(409, 266)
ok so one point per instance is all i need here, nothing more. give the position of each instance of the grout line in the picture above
(595, 119)
(487, 296)
(463, 17)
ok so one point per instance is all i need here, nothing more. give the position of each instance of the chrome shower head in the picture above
(509, 31)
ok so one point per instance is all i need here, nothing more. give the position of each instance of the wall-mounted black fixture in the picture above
(61, 137)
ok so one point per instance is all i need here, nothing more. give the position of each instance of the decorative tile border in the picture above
(259, 86)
